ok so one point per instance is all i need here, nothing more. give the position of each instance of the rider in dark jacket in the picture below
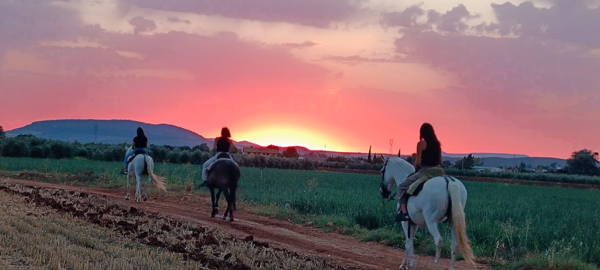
(222, 144)
(429, 154)
(140, 145)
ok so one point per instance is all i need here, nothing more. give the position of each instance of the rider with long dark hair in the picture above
(222, 145)
(140, 145)
(429, 155)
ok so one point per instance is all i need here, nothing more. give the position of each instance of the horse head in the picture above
(384, 191)
(128, 149)
(394, 171)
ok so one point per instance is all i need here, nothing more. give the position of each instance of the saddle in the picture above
(137, 152)
(417, 186)
(221, 157)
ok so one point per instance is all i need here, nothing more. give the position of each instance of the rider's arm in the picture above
(420, 146)
(214, 149)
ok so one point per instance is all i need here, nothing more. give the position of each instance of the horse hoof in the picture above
(231, 220)
(212, 216)
(127, 198)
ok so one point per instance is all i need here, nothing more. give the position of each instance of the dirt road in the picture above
(347, 251)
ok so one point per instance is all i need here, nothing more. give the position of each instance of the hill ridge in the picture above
(112, 131)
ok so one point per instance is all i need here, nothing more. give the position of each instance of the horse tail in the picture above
(159, 181)
(459, 224)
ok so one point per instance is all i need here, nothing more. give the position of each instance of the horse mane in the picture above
(402, 163)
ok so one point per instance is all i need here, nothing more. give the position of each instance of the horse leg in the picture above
(432, 226)
(228, 210)
(453, 245)
(150, 190)
(410, 248)
(138, 189)
(128, 186)
(406, 237)
(215, 210)
(218, 198)
(231, 203)
(216, 205)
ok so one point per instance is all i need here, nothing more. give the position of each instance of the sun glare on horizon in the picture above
(284, 136)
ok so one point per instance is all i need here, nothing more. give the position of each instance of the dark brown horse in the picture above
(223, 175)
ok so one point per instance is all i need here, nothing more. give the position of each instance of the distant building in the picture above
(261, 151)
(482, 168)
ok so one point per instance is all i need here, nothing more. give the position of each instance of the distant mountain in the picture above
(529, 161)
(484, 155)
(113, 132)
(512, 162)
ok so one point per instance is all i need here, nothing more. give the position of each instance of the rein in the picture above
(383, 186)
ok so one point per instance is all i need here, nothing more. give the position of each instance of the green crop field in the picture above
(533, 226)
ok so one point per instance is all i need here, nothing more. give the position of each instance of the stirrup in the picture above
(402, 217)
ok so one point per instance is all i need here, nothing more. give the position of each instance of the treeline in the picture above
(581, 168)
(543, 177)
(31, 146)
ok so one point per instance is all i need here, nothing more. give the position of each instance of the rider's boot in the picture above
(403, 215)
(204, 183)
(124, 170)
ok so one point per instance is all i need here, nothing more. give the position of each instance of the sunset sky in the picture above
(517, 77)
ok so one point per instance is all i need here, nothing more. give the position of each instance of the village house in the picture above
(260, 151)
(482, 168)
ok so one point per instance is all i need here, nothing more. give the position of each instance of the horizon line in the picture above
(312, 150)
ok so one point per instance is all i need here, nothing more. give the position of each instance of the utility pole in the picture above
(391, 145)
(95, 133)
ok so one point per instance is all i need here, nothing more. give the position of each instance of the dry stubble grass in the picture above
(38, 238)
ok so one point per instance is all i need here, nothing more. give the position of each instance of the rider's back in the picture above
(223, 145)
(431, 155)
(140, 141)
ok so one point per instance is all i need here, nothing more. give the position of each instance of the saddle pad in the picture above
(427, 174)
(221, 159)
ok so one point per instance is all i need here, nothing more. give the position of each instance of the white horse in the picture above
(429, 208)
(136, 168)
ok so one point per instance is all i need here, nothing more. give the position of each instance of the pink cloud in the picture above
(142, 24)
(318, 13)
(24, 23)
(536, 84)
(512, 94)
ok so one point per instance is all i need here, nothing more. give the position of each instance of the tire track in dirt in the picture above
(347, 251)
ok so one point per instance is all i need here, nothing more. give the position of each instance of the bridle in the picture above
(384, 192)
